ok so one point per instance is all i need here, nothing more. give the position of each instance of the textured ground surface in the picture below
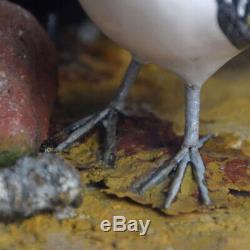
(87, 82)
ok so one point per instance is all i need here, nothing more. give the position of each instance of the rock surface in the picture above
(146, 141)
(28, 82)
(38, 184)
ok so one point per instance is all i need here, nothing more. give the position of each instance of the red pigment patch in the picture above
(146, 133)
(207, 159)
(236, 170)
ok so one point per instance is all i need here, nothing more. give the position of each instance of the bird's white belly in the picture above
(181, 35)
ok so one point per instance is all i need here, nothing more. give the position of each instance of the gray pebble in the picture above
(36, 185)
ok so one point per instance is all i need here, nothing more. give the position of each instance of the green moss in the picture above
(9, 157)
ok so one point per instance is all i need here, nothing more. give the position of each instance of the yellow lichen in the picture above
(187, 225)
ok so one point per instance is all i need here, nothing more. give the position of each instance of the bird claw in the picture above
(179, 163)
(64, 139)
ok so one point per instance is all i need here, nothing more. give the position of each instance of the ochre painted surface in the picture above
(150, 135)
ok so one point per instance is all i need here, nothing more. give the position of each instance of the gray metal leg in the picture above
(189, 153)
(108, 117)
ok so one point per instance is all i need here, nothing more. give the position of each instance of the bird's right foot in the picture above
(179, 164)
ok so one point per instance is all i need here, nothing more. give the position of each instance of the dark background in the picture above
(67, 11)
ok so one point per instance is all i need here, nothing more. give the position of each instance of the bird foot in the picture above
(108, 117)
(179, 164)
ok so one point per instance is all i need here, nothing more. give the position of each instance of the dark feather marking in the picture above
(235, 25)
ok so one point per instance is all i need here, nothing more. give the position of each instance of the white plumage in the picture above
(192, 38)
(182, 36)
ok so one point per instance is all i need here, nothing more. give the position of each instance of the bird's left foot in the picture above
(178, 164)
(107, 117)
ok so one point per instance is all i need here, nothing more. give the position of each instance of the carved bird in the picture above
(191, 38)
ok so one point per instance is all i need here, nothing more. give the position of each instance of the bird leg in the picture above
(189, 153)
(108, 117)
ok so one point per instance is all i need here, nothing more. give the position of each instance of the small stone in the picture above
(39, 184)
(28, 83)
